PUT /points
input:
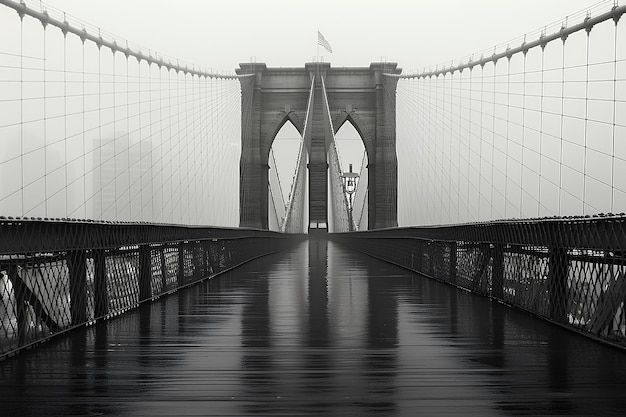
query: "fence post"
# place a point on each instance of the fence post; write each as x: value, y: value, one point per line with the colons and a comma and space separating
x: 557, y: 283
x: 419, y: 256
x: 452, y: 267
x: 77, y: 267
x: 181, y: 263
x: 163, y: 270
x: 431, y: 266
x: 497, y: 277
x: 205, y: 258
x: 101, y: 299
x: 196, y: 260
x: 145, y: 273
x: 20, y: 305
x: 210, y: 262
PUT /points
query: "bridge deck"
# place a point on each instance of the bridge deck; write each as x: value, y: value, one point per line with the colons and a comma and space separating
x: 318, y: 330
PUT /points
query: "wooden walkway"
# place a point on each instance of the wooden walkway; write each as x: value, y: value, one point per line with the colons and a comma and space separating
x: 318, y: 330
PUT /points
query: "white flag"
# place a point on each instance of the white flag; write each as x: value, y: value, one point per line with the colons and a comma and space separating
x: 321, y: 40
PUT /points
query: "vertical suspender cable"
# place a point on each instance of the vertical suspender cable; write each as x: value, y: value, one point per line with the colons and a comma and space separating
x: 467, y: 143
x: 45, y: 128
x: 85, y: 198
x: 560, y: 213
x: 128, y: 144
x: 426, y: 149
x: 140, y: 145
x: 439, y: 122
x: 541, y: 132
x: 438, y: 179
x: 434, y: 139
x: 452, y: 185
x: 179, y: 148
x: 190, y: 133
x: 460, y: 119
x: 444, y: 144
x: 23, y: 209
x: 115, y: 162
x: 160, y: 217
x: 170, y: 217
x: 204, y: 146
x: 493, y: 137
x: 508, y: 139
x: 100, y: 179
x: 186, y: 211
x: 152, y: 210
x: 614, y: 117
x: 586, y: 129
x: 481, y: 139
x: 67, y: 206
x: 197, y: 113
x: 521, y: 184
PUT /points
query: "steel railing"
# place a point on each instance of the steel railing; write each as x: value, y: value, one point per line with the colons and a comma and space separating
x: 58, y: 275
x: 571, y: 271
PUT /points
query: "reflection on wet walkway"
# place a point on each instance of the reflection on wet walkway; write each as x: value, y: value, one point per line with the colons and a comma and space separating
x: 318, y: 330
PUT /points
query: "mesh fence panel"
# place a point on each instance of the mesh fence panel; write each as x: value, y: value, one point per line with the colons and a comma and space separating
x: 570, y: 271
x: 56, y: 275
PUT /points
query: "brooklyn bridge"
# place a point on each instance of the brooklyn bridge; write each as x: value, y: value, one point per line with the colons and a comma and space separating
x: 176, y: 240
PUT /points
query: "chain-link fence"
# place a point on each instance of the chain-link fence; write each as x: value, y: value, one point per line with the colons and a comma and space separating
x: 570, y: 271
x: 57, y: 275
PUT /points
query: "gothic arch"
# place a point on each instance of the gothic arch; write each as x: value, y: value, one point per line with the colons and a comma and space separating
x: 275, y: 125
x: 359, y: 125
x: 363, y: 96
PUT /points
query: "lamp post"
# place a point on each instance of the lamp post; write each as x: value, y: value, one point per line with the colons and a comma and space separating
x: 350, y: 182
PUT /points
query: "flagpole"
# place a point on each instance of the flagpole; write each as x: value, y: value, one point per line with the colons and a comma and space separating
x: 318, y: 47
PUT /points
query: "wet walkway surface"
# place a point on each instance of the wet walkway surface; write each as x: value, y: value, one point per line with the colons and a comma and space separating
x: 318, y: 330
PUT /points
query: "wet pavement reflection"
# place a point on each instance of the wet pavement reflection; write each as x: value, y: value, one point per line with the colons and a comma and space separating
x: 318, y: 330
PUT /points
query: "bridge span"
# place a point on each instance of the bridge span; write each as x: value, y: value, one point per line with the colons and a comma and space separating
x: 120, y: 262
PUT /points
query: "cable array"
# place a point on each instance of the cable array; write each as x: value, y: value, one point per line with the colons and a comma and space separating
x: 92, y: 132
x: 277, y: 202
x: 296, y: 211
x: 339, y: 217
x: 360, y: 210
x: 530, y: 134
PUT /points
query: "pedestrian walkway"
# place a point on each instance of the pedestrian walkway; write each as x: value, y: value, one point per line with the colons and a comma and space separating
x: 318, y: 330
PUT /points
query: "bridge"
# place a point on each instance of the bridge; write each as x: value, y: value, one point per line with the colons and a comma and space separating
x: 156, y: 258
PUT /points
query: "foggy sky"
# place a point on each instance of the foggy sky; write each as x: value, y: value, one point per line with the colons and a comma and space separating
x: 218, y: 36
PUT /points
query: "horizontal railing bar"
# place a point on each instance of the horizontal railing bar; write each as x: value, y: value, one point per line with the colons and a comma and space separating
x: 598, y: 232
x: 21, y: 236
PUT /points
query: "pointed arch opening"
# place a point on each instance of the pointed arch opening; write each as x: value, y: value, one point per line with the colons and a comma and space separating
x: 353, y: 157
x: 282, y: 160
x: 350, y: 146
x: 284, y: 150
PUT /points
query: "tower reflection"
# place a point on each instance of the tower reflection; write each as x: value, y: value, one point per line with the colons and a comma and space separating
x: 318, y: 382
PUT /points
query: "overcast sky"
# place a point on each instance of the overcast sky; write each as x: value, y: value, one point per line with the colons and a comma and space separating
x: 414, y: 33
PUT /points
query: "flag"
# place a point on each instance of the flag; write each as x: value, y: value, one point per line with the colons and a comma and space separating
x: 321, y: 40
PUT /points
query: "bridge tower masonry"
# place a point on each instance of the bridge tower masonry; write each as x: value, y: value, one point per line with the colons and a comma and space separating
x: 363, y: 96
